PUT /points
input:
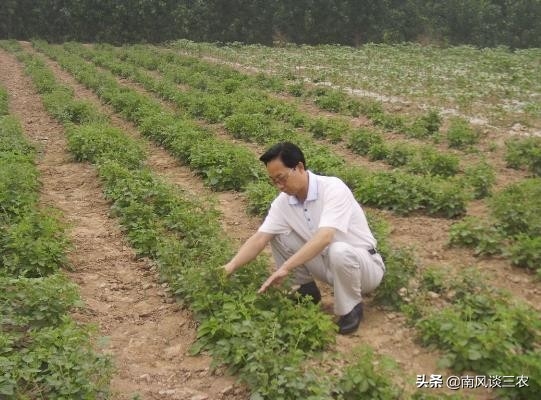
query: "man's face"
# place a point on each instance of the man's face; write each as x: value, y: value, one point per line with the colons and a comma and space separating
x: 287, y: 180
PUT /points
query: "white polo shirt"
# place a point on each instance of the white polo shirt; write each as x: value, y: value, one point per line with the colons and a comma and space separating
x: 329, y: 203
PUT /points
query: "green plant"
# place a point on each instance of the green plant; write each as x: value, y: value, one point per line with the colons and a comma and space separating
x: 3, y: 102
x: 367, y: 377
x: 362, y: 140
x: 471, y: 232
x: 432, y: 122
x: 460, y: 134
x: 94, y: 142
x: 398, y: 192
x: 433, y: 279
x: 222, y: 170
x: 61, y: 105
x: 370, y: 108
x: 481, y: 331
x: 389, y: 122
x: 442, y: 197
x: 249, y: 127
x: 399, y: 154
x: 525, y: 252
x: 517, y: 208
x: 43, y: 353
x: 480, y: 177
x: 332, y: 129
x: 428, y: 161
x: 35, y: 302
x: 260, y: 196
x: 331, y: 100
x: 400, y: 267
x: 524, y: 153
x: 34, y: 246
x: 296, y: 89
x: 56, y: 362
x: 18, y: 186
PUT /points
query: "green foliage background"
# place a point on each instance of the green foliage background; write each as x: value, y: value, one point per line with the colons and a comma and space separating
x: 351, y: 22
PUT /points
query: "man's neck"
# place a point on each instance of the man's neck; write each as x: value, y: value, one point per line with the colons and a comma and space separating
x: 303, y: 193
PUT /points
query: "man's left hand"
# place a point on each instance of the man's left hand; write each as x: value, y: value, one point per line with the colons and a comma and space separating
x: 275, y: 279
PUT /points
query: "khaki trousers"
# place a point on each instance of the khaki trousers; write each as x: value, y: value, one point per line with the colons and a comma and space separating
x: 350, y: 271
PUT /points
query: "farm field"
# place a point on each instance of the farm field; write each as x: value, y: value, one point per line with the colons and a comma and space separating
x: 490, y: 86
x: 150, y: 153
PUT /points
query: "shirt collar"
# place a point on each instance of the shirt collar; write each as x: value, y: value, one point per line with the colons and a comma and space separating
x: 312, y: 190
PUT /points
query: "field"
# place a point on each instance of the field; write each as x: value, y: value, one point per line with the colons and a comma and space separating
x: 145, y: 160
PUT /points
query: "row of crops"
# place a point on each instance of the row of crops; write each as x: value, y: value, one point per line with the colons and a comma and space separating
x: 183, y: 138
x: 211, y: 77
x: 478, y: 328
x: 44, y: 353
x: 496, y: 83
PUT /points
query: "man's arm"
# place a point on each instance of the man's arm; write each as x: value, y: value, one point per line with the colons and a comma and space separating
x: 248, y: 251
x: 312, y: 248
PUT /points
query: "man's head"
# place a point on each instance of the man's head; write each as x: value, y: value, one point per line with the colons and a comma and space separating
x: 286, y: 167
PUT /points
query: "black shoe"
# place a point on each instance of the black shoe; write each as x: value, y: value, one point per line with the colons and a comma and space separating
x: 350, y: 322
x: 310, y: 289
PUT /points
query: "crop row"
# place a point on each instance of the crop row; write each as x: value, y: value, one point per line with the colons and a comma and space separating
x: 265, y: 338
x: 474, y: 80
x: 524, y: 153
x: 218, y: 78
x: 460, y: 135
x: 44, y: 353
x: 263, y: 114
x: 395, y: 190
x: 478, y: 328
x: 464, y: 351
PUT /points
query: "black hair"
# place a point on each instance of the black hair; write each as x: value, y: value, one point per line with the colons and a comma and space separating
x: 290, y: 154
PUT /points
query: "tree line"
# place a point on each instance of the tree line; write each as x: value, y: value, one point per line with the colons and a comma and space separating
x: 483, y: 23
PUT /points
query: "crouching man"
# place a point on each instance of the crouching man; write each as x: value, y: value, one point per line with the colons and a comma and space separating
x: 316, y: 229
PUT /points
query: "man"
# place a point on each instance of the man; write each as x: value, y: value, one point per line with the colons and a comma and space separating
x: 316, y: 229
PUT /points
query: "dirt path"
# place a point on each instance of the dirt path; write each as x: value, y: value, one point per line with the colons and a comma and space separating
x: 148, y: 334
